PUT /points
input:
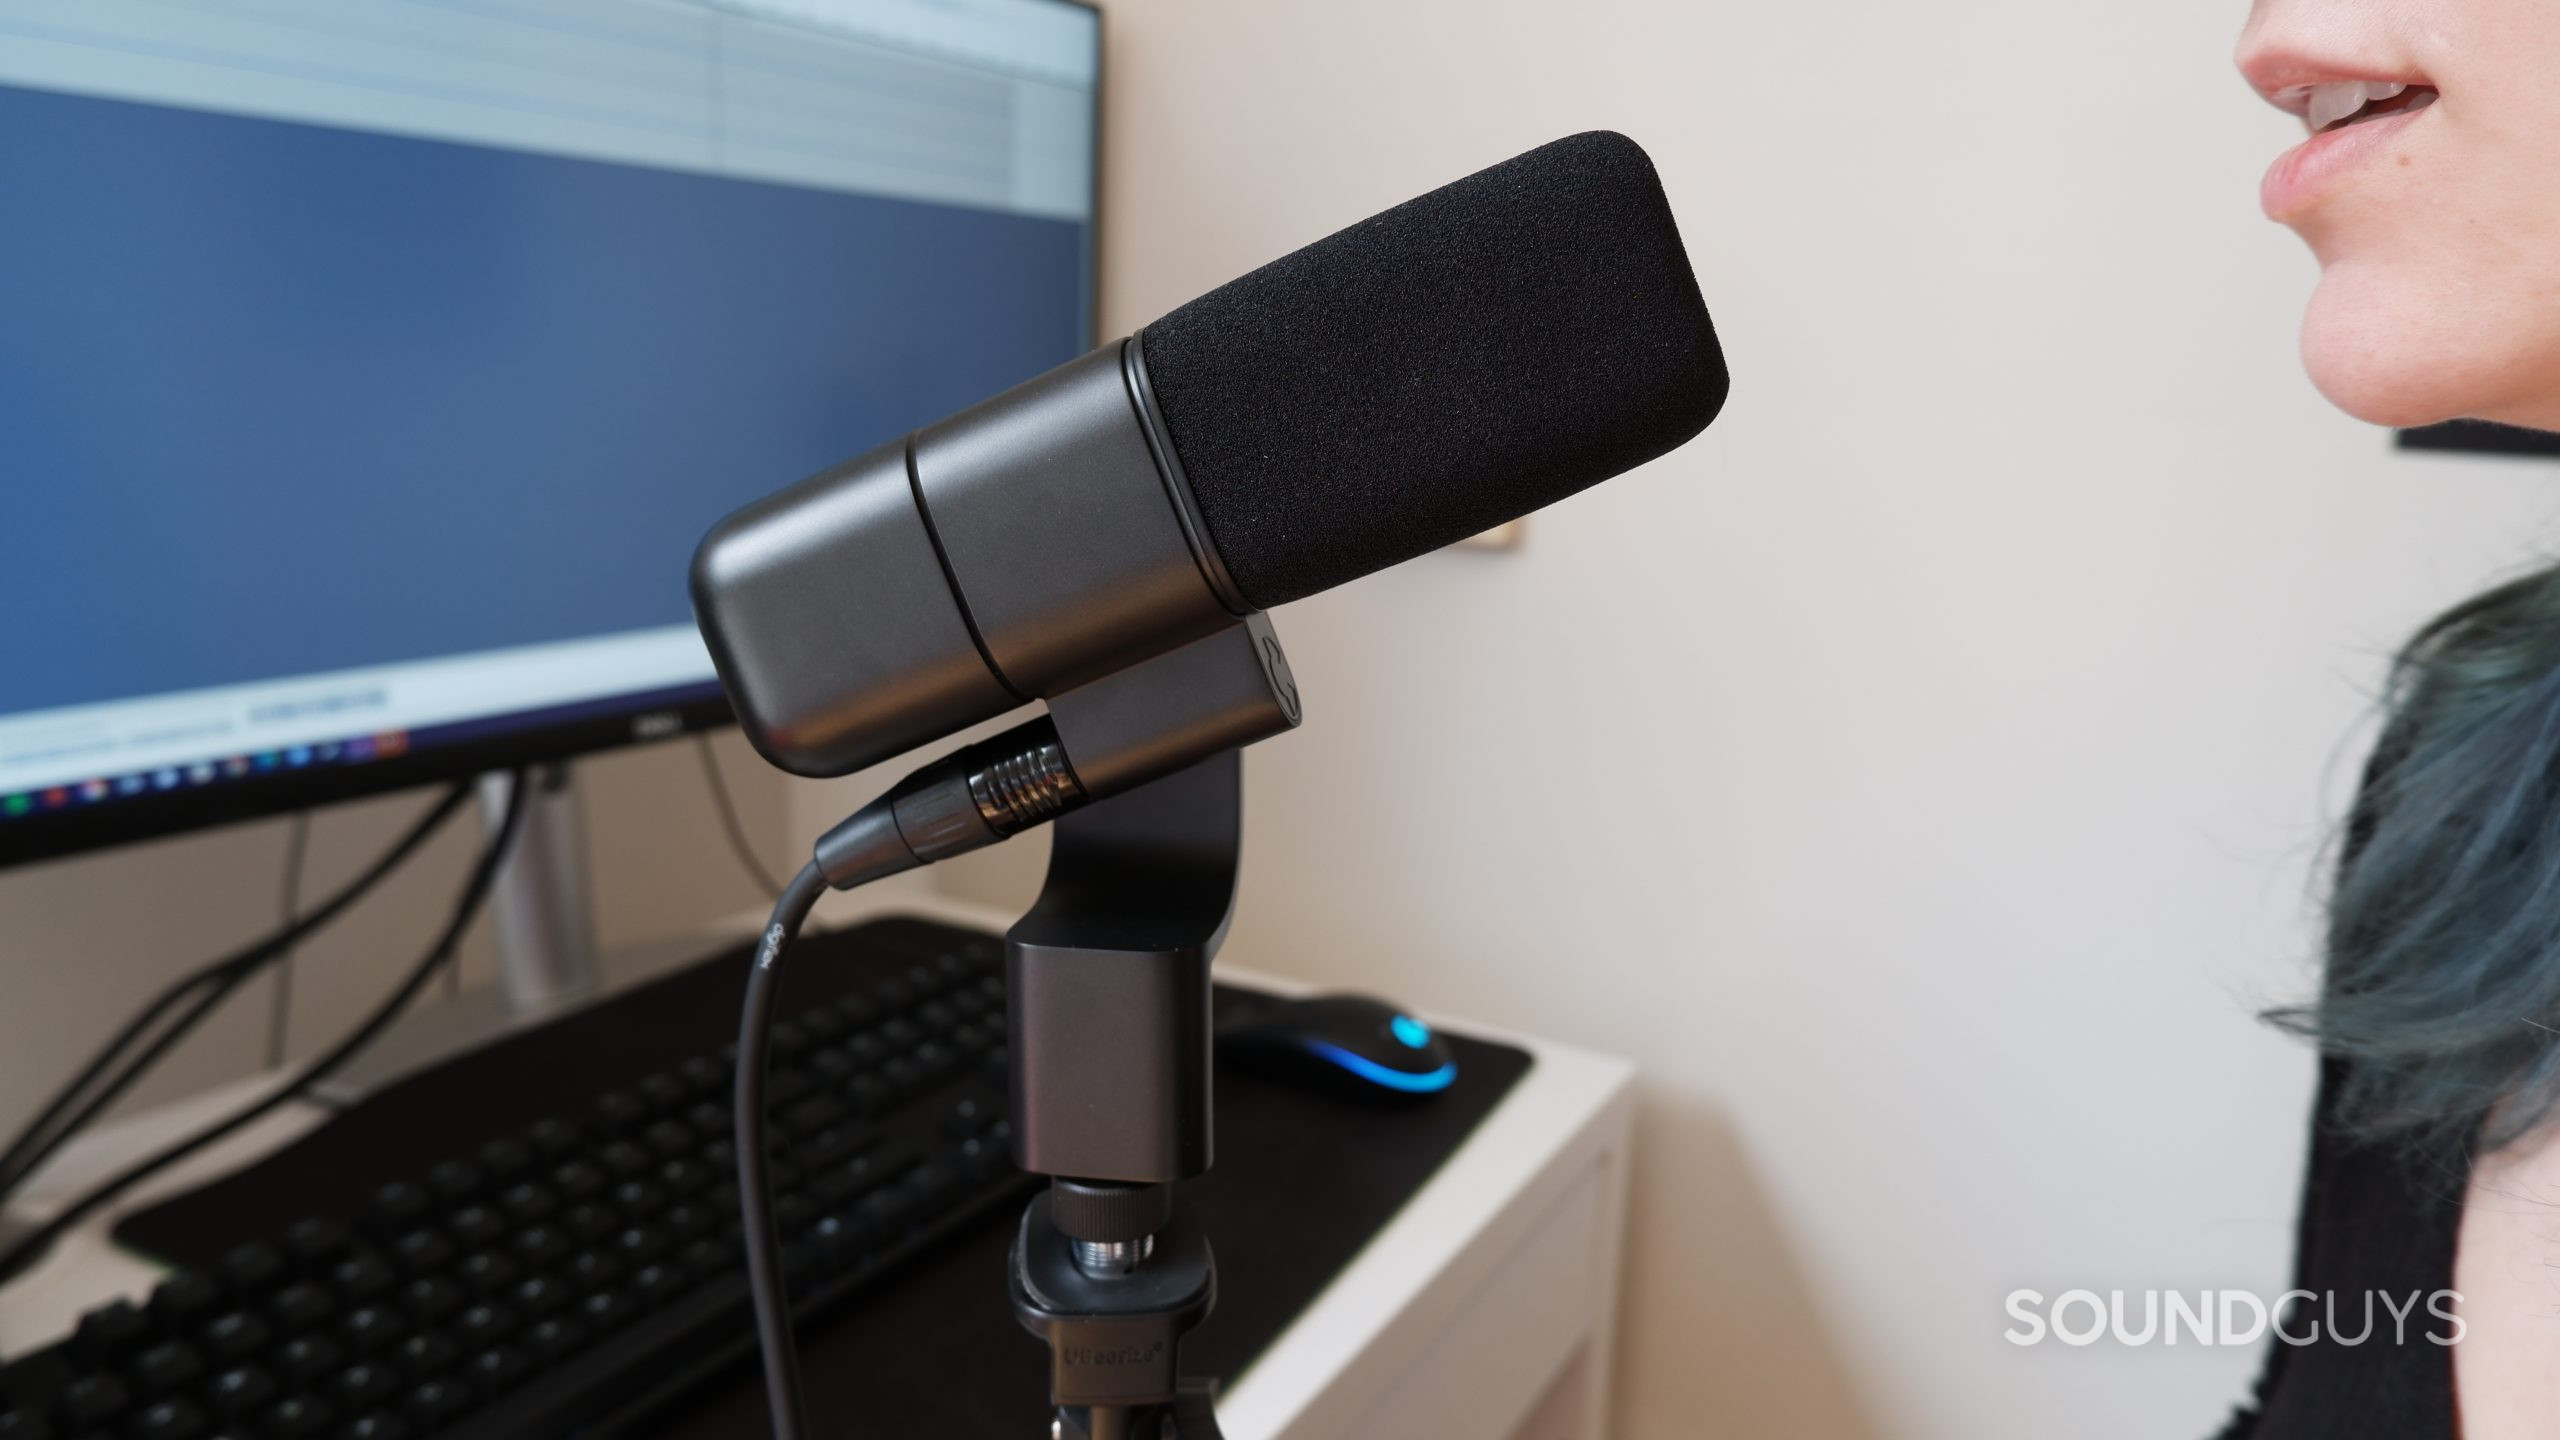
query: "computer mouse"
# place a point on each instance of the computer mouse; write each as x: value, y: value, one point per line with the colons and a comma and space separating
x: 1353, y: 1045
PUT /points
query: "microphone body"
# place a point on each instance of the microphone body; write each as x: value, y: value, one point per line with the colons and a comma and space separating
x: 1431, y: 372
x: 1030, y: 544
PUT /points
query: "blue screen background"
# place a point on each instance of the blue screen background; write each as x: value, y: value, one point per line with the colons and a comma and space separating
x: 279, y: 398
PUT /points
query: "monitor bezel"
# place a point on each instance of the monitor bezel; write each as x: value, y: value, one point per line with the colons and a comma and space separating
x: 648, y: 719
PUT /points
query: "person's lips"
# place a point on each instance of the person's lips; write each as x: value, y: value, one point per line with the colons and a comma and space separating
x: 2353, y: 122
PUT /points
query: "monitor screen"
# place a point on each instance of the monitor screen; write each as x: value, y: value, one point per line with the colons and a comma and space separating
x: 369, y: 369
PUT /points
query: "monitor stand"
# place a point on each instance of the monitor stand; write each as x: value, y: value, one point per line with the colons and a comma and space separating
x: 542, y: 917
x: 540, y: 909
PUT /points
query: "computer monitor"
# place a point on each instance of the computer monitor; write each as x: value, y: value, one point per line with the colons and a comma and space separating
x: 370, y: 368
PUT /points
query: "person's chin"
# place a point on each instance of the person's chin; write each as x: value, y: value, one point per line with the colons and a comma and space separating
x: 2392, y: 354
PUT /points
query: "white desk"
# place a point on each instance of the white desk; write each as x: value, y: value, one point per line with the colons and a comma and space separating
x: 1485, y: 1309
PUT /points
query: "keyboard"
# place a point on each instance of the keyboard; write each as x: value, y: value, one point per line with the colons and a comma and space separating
x: 572, y: 1274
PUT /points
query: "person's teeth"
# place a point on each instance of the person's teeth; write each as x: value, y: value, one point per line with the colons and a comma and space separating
x: 2334, y: 102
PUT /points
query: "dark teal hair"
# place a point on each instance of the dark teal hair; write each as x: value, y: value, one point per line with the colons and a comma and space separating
x: 2443, y: 984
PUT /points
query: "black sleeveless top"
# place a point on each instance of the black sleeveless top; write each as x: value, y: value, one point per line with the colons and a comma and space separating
x: 2372, y: 1219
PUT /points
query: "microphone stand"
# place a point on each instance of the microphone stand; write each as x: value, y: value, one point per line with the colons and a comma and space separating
x: 1109, y: 1033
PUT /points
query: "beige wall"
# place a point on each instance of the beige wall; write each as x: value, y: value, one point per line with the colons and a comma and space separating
x: 88, y: 939
x: 1921, y: 775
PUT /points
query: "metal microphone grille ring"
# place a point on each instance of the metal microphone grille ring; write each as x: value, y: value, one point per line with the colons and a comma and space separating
x: 1020, y: 790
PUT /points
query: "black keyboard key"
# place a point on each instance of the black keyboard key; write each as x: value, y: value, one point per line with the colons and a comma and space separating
x: 425, y: 1355
x: 234, y: 1336
x: 505, y: 1160
x: 591, y: 1270
x: 967, y: 1118
x: 656, y: 1284
x: 705, y: 1076
x: 455, y: 1181
x: 858, y: 1010
x: 399, y: 1206
x: 422, y: 1250
x: 527, y: 1200
x: 252, y: 1268
x: 361, y: 1386
x: 786, y: 1086
x: 553, y: 1139
x: 814, y: 1114
x: 590, y: 1222
x: 380, y: 1425
x: 540, y: 1295
x: 361, y: 1277
x: 870, y: 1095
x: 475, y: 1227
x: 91, y: 1400
x: 639, y: 1199
x: 437, y: 1402
x: 604, y: 1310
x: 865, y: 1050
x: 794, y: 1213
x: 163, y: 1368
x: 168, y: 1420
x: 553, y: 1341
x: 185, y: 1300
x: 299, y: 1306
x: 664, y: 1090
x: 685, y: 1221
x: 787, y: 1039
x: 488, y: 1272
x: 623, y: 1159
x: 539, y: 1245
x: 710, y: 1256
x: 620, y: 1110
x: 675, y: 1139
x: 430, y: 1298
x: 638, y: 1244
x: 304, y: 1359
x: 111, y: 1332
x: 835, y: 1145
x: 937, y: 1018
x: 484, y: 1325
x: 299, y: 1417
x: 369, y: 1328
x: 577, y: 1180
x: 498, y: 1369
x: 981, y: 1159
x: 242, y: 1390
x: 315, y: 1243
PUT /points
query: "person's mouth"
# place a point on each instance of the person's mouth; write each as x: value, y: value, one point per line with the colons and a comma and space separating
x: 2351, y: 122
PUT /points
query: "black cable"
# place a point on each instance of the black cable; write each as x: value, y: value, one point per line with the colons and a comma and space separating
x: 48, y: 1131
x: 466, y: 906
x: 755, y: 1192
x: 297, y: 843
x: 729, y: 818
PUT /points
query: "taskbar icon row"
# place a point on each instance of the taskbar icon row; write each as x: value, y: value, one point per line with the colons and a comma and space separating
x: 102, y: 789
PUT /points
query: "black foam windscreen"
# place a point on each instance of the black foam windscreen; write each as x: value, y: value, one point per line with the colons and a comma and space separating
x: 1436, y: 370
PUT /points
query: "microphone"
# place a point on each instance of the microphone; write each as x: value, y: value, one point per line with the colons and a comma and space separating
x: 1426, y: 374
